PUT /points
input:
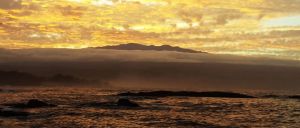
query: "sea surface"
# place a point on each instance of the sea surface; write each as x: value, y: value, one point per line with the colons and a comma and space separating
x: 170, y: 112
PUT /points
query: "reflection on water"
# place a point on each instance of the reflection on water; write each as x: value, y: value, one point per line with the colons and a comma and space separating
x: 155, y: 112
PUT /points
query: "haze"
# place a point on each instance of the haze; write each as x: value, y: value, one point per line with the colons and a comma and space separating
x: 253, y: 44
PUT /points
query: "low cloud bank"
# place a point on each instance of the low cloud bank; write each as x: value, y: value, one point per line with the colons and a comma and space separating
x: 157, y: 70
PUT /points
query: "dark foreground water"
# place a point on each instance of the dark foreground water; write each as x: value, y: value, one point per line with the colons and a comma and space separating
x: 155, y: 112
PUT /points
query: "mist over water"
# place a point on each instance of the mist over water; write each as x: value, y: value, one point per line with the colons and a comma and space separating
x: 153, y: 70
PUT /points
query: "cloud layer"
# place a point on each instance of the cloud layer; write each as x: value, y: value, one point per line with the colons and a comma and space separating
x: 231, y: 26
x: 157, y: 70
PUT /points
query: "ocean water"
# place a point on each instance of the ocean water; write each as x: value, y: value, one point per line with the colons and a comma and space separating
x: 155, y: 112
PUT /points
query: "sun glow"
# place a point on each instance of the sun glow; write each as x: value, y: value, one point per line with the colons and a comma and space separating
x: 288, y: 21
x: 224, y: 26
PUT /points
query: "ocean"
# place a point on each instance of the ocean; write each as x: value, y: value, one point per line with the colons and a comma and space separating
x: 72, y: 110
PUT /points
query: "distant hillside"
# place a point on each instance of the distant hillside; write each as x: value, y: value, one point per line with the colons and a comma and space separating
x: 24, y: 78
x: 135, y: 46
x: 19, y: 78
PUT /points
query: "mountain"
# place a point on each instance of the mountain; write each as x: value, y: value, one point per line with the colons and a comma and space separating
x: 135, y: 46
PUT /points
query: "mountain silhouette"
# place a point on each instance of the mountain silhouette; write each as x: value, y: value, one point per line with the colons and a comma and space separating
x: 19, y: 78
x: 24, y: 78
x: 135, y: 46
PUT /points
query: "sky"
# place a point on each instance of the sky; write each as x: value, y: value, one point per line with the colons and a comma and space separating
x: 248, y: 27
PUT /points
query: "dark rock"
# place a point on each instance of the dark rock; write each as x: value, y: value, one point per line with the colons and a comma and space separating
x: 271, y: 96
x: 100, y: 104
x: 34, y: 103
x: 294, y: 97
x: 127, y: 103
x: 113, y: 105
x: 12, y: 113
x: 282, y: 96
x: 187, y: 93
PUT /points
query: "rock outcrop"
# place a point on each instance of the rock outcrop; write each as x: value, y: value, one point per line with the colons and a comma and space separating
x: 33, y: 103
x: 12, y: 113
x: 186, y: 93
x: 127, y: 103
x: 121, y: 103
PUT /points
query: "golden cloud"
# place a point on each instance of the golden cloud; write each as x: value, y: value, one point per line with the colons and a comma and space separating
x: 213, y: 26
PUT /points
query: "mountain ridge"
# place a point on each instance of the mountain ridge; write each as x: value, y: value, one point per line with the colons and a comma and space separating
x: 136, y: 46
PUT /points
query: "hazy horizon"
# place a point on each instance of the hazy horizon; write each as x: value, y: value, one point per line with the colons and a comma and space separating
x: 167, y: 70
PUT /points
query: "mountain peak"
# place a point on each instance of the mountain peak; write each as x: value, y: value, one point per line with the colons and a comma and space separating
x: 136, y: 46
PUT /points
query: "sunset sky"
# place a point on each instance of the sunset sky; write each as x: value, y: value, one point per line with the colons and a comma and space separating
x: 242, y: 27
